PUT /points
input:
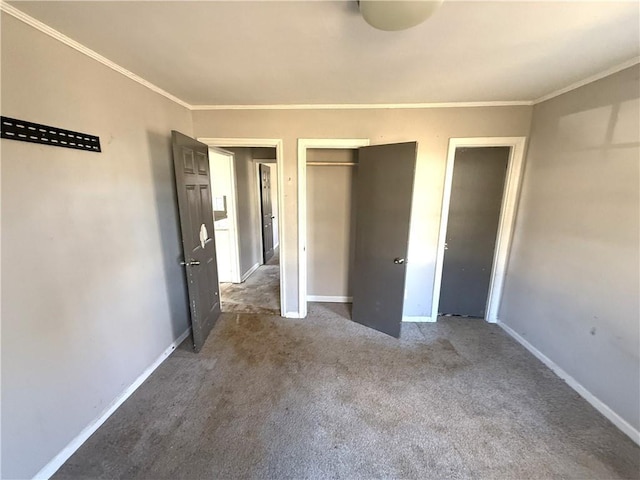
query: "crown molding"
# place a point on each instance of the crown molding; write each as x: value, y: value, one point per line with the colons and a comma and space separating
x: 42, y: 27
x: 365, y: 106
x: 588, y: 80
x: 46, y: 29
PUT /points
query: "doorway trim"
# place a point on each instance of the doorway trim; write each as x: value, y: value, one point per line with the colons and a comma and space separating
x: 233, y: 213
x: 278, y: 145
x: 303, y: 145
x: 505, y: 226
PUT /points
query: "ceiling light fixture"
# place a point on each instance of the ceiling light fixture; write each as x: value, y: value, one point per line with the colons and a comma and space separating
x: 393, y: 15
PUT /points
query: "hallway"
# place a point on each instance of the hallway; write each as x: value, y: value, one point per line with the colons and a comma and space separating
x: 260, y: 293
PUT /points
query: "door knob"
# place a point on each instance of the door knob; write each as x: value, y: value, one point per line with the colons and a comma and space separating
x: 398, y: 261
x: 192, y: 263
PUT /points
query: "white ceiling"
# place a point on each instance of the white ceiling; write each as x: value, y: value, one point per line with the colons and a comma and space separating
x: 322, y: 52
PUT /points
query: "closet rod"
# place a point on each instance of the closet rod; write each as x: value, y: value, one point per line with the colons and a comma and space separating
x: 333, y: 164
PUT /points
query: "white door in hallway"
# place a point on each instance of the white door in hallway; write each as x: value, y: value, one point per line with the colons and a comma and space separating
x: 223, y: 185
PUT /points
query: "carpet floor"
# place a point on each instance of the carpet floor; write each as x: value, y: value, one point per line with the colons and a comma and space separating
x: 323, y: 397
x: 260, y: 293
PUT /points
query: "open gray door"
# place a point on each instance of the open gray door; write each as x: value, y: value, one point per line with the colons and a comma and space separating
x: 267, y: 212
x: 383, y: 212
x: 193, y: 183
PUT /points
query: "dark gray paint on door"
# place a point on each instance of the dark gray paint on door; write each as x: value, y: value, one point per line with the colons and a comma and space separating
x: 383, y: 210
x: 267, y: 212
x: 193, y: 183
x: 477, y: 190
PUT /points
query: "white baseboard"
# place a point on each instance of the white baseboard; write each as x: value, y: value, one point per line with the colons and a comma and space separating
x: 329, y: 299
x: 595, y: 402
x: 50, y: 468
x: 418, y: 319
x: 293, y: 315
x: 250, y: 271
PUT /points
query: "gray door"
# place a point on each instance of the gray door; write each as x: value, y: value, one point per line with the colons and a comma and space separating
x: 191, y: 162
x: 267, y: 212
x: 383, y: 210
x: 474, y: 213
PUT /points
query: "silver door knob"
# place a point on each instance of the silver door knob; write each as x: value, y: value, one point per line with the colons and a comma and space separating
x: 192, y: 263
x: 398, y: 261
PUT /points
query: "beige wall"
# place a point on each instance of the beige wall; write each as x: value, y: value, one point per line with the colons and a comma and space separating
x: 330, y: 223
x: 92, y: 291
x: 250, y: 236
x: 573, y: 278
x: 432, y: 128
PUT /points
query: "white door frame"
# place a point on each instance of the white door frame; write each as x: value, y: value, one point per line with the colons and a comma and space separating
x: 506, y: 223
x: 232, y: 214
x: 277, y: 144
x: 303, y: 145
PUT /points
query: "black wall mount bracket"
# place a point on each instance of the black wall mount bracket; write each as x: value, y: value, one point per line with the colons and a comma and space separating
x: 21, y: 130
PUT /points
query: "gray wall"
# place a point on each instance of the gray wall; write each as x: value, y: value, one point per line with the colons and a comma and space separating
x: 92, y: 291
x: 263, y: 153
x: 249, y: 234
x: 330, y: 222
x: 432, y: 128
x: 572, y: 283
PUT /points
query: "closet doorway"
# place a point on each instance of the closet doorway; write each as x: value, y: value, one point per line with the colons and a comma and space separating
x: 331, y: 194
x: 354, y: 219
x: 340, y: 154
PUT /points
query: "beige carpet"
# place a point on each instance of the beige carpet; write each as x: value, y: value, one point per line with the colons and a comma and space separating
x: 325, y: 398
x: 259, y: 294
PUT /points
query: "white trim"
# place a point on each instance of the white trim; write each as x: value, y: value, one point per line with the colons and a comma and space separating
x: 586, y: 81
x: 507, y: 216
x: 366, y: 106
x: 292, y: 315
x: 236, y: 226
x: 46, y: 29
x: 258, y: 205
x: 56, y: 462
x: 329, y: 299
x: 595, y: 402
x: 249, y: 272
x: 266, y: 142
x: 303, y: 145
x: 417, y: 319
x: 232, y: 212
x: 242, y: 142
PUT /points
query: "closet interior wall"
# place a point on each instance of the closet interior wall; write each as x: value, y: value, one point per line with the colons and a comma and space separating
x: 331, y: 188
